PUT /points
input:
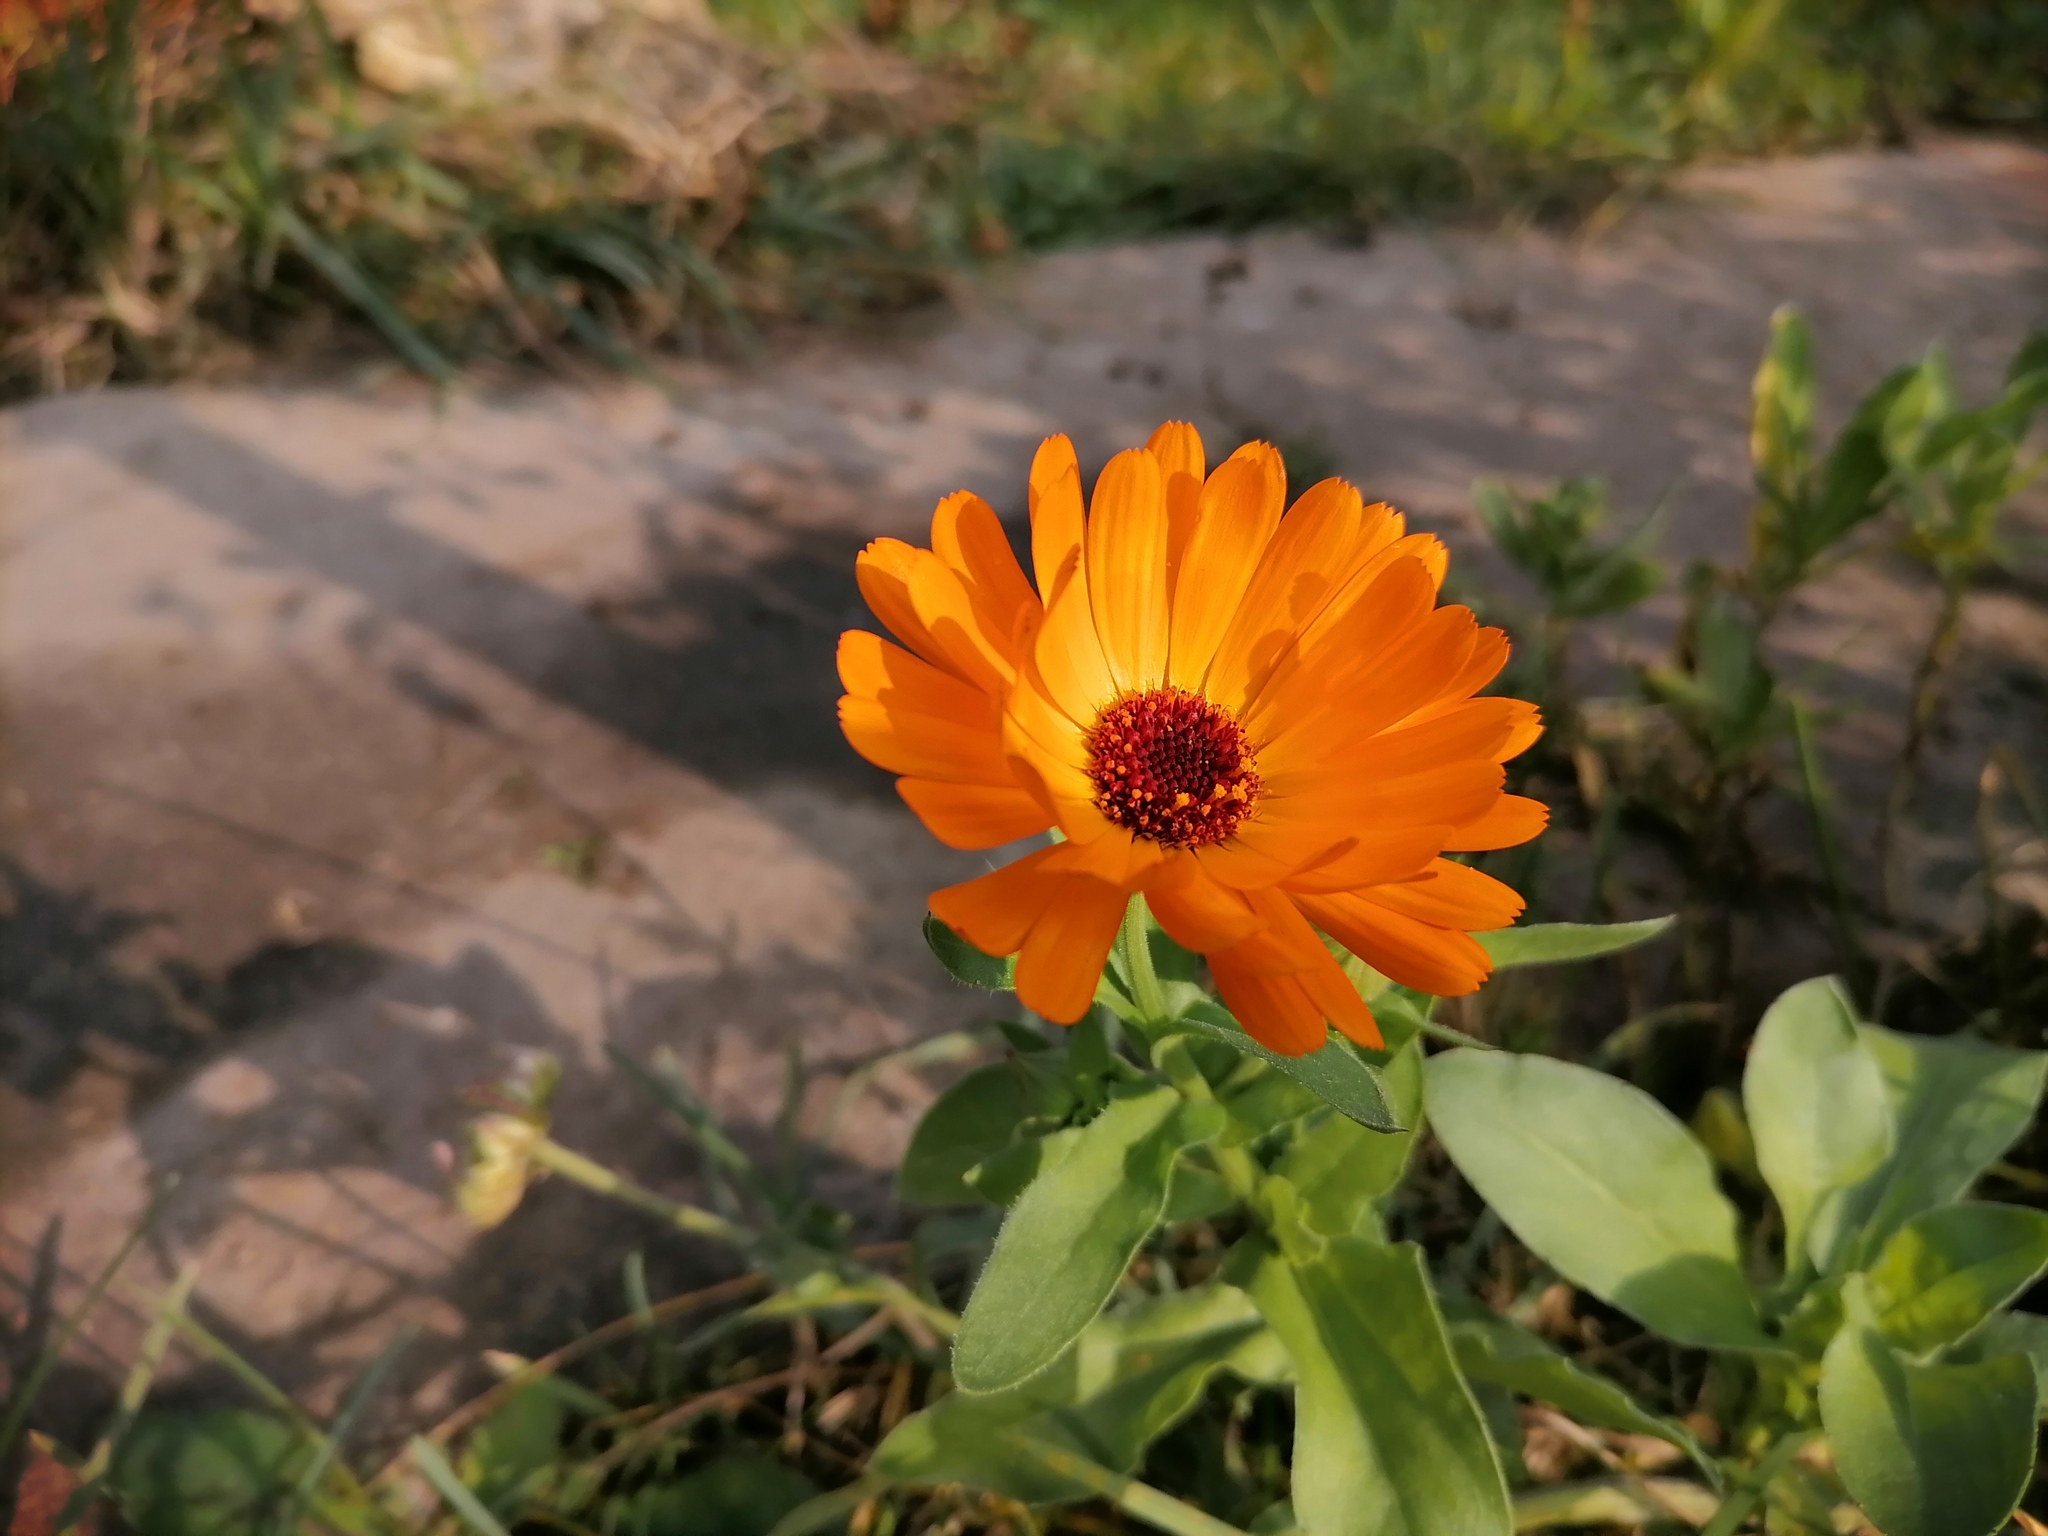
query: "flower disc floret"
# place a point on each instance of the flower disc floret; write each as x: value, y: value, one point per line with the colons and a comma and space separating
x: 1172, y: 767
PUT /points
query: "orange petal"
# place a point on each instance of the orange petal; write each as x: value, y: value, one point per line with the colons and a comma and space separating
x: 1489, y: 654
x: 1068, y: 653
x: 1513, y: 819
x: 1234, y: 522
x: 1113, y: 855
x: 1331, y: 990
x: 1478, y: 729
x: 1302, y: 569
x: 1066, y: 792
x: 1313, y: 680
x: 972, y: 648
x: 1528, y: 729
x: 882, y: 571
x: 1379, y: 544
x: 1401, y: 680
x: 973, y: 815
x: 1375, y: 857
x: 872, y: 668
x: 924, y: 746
x: 1127, y: 568
x: 1178, y: 448
x: 1276, y: 1011
x: 1057, y: 524
x: 1067, y: 947
x: 1197, y: 912
x: 1457, y: 792
x: 1451, y: 896
x: 994, y: 912
x: 969, y: 537
x: 1441, y: 961
x: 1262, y: 852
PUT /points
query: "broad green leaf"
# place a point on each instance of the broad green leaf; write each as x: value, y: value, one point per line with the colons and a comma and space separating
x: 1948, y: 1269
x: 1603, y: 1183
x: 734, y: 1495
x: 1816, y: 1103
x: 1259, y: 1099
x: 1388, y: 1440
x: 1957, y: 1104
x: 1071, y: 1235
x: 1336, y: 1073
x: 1128, y: 1379
x: 1492, y: 1349
x: 1928, y: 1450
x: 972, y: 1120
x: 2009, y: 1333
x: 1559, y: 943
x: 219, y: 1473
x: 1006, y: 1173
x: 965, y: 963
x: 1339, y: 1168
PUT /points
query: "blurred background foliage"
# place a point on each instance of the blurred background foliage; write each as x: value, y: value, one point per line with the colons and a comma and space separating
x: 183, y: 182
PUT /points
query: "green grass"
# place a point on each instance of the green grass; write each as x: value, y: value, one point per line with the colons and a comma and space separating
x: 173, y: 196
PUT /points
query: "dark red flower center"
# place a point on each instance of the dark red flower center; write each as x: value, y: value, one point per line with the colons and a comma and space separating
x: 1171, y: 766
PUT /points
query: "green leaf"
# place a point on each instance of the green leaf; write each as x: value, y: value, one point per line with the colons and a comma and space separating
x: 964, y: 963
x: 1928, y: 1450
x: 1339, y: 1168
x: 1950, y: 1268
x: 972, y: 1120
x: 205, y: 1474
x: 1128, y: 1379
x: 1069, y: 1238
x: 1493, y: 1349
x: 1388, y: 1440
x: 1336, y: 1073
x: 1781, y: 408
x: 1604, y: 1184
x: 2009, y: 1333
x: 736, y: 1495
x: 1957, y: 1104
x: 1816, y: 1103
x: 1005, y: 1174
x: 1558, y: 943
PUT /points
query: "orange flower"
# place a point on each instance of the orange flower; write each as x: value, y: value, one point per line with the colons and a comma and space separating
x: 1263, y: 724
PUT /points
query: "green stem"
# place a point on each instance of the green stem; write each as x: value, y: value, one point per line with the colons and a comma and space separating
x: 1817, y: 798
x: 599, y: 1179
x: 1136, y: 943
x: 1236, y: 1165
x: 1141, y: 1501
x: 1739, y: 1505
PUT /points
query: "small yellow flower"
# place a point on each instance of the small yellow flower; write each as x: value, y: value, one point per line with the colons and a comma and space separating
x: 1265, y: 724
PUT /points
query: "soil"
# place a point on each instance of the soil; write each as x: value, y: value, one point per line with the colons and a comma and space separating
x: 356, y: 738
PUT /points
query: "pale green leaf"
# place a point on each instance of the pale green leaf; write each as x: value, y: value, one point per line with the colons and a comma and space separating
x: 1071, y: 1235
x: 1957, y: 1104
x: 972, y: 1120
x: 1928, y: 1450
x: 1339, y: 1168
x: 1948, y: 1269
x: 1816, y: 1103
x: 1492, y: 1349
x: 1604, y: 1184
x: 2009, y: 1333
x: 1559, y: 943
x: 966, y: 964
x: 1127, y: 1380
x: 1336, y: 1073
x: 1387, y: 1438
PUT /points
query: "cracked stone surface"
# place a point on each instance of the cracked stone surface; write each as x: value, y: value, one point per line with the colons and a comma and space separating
x: 353, y: 739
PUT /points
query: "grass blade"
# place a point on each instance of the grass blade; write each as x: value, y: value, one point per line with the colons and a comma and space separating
x: 359, y: 1398
x: 452, y: 1489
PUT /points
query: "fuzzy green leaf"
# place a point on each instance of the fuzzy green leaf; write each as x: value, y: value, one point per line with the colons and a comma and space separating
x: 1928, y: 1450
x: 1815, y: 1100
x: 1071, y: 1235
x: 1336, y: 1073
x: 1603, y: 1183
x: 1388, y: 1440
x: 966, y: 964
x: 1560, y: 943
x: 972, y: 1120
x: 1957, y: 1104
x: 1950, y: 1268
